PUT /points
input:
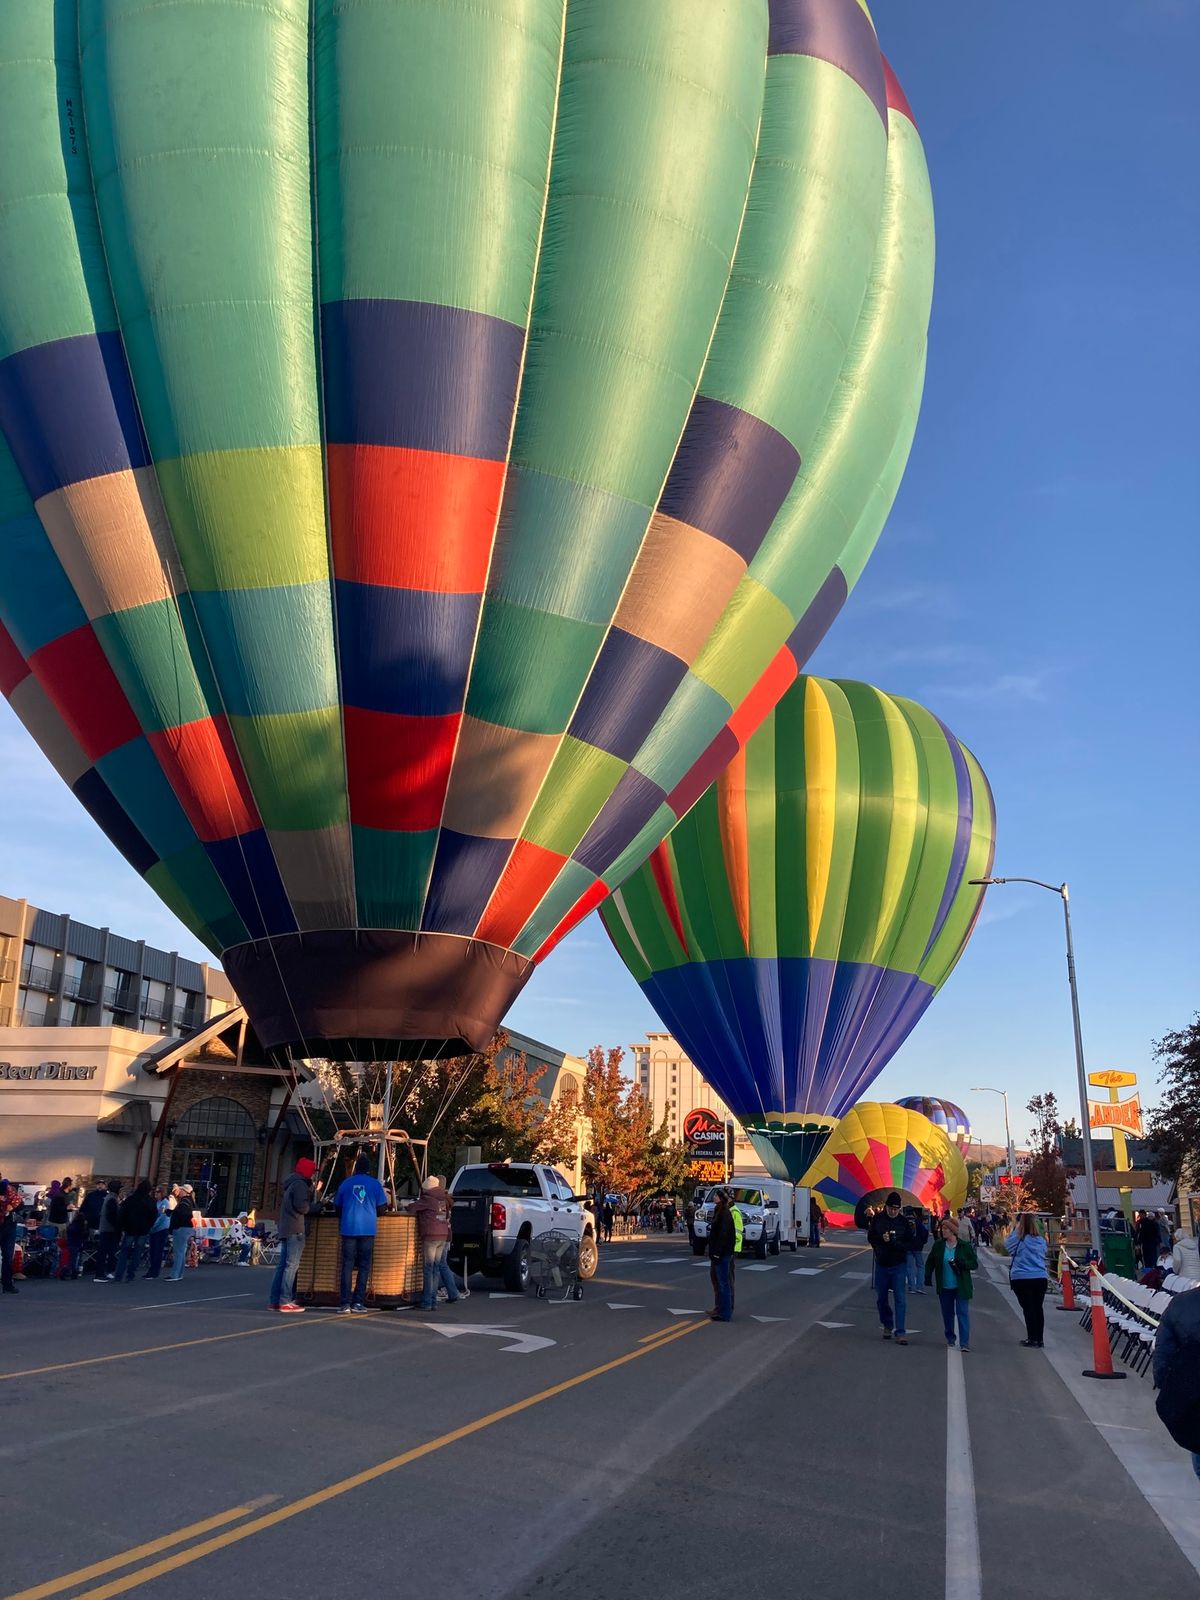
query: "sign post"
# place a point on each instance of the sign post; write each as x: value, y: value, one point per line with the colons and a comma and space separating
x: 1128, y: 1116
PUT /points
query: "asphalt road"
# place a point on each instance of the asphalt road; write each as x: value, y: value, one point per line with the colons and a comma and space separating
x: 187, y: 1443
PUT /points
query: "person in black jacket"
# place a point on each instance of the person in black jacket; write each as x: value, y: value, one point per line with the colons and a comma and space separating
x: 891, y: 1237
x: 108, y: 1232
x: 1177, y: 1372
x: 136, y: 1216
x: 916, y: 1253
x: 721, y: 1242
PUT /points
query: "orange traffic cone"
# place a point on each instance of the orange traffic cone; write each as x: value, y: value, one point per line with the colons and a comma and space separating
x: 1068, y: 1287
x: 1101, y: 1353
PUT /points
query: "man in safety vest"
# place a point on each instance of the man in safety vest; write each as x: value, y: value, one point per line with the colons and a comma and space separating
x: 739, y: 1233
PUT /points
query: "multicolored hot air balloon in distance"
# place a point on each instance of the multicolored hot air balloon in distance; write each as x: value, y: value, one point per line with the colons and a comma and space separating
x: 944, y: 1114
x: 795, y: 925
x: 876, y: 1148
x: 434, y: 436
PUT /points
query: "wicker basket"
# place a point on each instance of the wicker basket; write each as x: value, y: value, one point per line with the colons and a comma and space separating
x: 397, y: 1268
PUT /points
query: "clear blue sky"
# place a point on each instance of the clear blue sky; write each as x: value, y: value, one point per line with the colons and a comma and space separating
x: 1037, y: 583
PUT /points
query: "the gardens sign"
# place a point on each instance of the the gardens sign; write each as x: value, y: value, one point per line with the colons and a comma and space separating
x: 45, y: 1072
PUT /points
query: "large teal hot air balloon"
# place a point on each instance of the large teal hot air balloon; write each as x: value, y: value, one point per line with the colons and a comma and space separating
x: 433, y: 434
x: 796, y: 924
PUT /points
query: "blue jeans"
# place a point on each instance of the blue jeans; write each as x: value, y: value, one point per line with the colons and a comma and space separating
x: 158, y: 1249
x: 722, y: 1266
x: 180, y: 1239
x: 895, y: 1280
x: 283, y: 1286
x: 437, y: 1271
x: 952, y: 1305
x: 357, y: 1250
x: 814, y: 1233
x: 916, y: 1269
x: 129, y: 1256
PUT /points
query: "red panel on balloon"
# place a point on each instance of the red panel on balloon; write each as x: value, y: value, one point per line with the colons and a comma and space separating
x: 76, y: 675
x: 204, y: 769
x: 765, y: 695
x: 412, y: 519
x: 399, y: 768
x: 588, y: 901
x: 525, y: 880
x: 12, y: 663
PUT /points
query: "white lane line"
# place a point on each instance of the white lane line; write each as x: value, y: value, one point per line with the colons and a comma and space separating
x: 761, y: 1267
x: 964, y: 1577
x: 863, y: 1275
x: 664, y: 1261
x: 203, y: 1301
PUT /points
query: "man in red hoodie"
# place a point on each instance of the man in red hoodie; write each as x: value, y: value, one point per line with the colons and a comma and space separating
x: 433, y: 1212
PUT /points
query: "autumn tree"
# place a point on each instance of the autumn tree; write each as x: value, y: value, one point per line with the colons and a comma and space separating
x: 1044, y: 1186
x: 627, y: 1154
x: 1174, y: 1124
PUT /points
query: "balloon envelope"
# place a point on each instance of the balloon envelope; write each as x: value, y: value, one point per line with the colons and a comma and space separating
x: 434, y: 436
x: 794, y: 927
x: 943, y: 1114
x: 877, y: 1148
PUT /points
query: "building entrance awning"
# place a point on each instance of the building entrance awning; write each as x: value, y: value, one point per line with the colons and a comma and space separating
x: 133, y: 1117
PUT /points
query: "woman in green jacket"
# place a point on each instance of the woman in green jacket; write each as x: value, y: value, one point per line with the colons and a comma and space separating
x: 949, y: 1267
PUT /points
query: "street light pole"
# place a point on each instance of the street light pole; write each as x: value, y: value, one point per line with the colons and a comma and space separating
x: 1089, y: 1167
x: 1012, y: 1158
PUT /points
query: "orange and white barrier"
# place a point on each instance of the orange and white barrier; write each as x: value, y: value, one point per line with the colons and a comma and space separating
x: 1102, y: 1361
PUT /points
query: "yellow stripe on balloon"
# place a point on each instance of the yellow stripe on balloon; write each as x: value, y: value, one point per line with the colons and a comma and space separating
x: 906, y: 797
x: 731, y: 808
x: 820, y: 761
x: 866, y: 11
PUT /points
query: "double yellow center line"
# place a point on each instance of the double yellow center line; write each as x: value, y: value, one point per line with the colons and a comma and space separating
x: 229, y: 1535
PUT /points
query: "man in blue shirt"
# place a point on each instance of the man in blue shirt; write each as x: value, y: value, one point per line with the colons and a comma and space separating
x: 359, y: 1200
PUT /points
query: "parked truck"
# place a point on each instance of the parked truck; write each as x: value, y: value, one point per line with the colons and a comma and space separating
x: 774, y: 1213
x: 499, y: 1207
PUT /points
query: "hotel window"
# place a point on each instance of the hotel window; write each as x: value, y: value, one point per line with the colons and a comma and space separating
x: 33, y: 1004
x: 37, y: 966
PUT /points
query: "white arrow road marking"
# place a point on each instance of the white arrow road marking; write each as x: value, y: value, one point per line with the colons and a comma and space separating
x: 772, y: 1319
x: 615, y: 1261
x: 686, y: 1311
x: 806, y: 1272
x: 521, y: 1344
x: 621, y: 1305
x: 762, y: 1267
x: 835, y: 1324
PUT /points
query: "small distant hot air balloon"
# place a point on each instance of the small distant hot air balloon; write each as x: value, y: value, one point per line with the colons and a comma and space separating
x: 794, y: 927
x: 876, y: 1148
x: 438, y: 433
x: 943, y: 1114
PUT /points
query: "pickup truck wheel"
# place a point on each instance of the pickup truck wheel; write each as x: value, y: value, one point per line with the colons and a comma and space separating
x: 774, y: 1247
x: 589, y: 1257
x: 760, y: 1248
x: 516, y: 1267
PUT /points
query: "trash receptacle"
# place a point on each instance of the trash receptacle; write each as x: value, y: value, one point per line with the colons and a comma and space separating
x: 1117, y: 1249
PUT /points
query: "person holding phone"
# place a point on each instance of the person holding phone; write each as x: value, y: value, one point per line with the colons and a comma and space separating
x: 891, y: 1237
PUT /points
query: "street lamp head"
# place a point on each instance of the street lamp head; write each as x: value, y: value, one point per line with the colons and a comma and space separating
x: 980, y: 883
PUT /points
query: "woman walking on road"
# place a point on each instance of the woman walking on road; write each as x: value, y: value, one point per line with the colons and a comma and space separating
x: 1027, y: 1275
x: 951, y: 1263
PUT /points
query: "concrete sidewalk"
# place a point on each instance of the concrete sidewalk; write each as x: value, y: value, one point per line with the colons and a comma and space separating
x: 1122, y: 1413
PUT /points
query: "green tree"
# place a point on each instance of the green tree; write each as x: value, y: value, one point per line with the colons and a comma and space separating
x: 1174, y: 1124
x: 1044, y: 1186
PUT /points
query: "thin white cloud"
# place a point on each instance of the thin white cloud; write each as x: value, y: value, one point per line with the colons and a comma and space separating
x: 931, y: 599
x: 1024, y: 688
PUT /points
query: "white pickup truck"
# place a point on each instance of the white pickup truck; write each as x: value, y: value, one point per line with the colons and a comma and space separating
x: 498, y: 1208
x: 773, y: 1214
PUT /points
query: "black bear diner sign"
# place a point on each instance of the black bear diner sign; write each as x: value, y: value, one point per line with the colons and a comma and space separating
x: 45, y: 1072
